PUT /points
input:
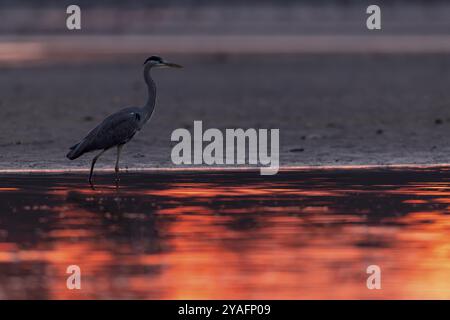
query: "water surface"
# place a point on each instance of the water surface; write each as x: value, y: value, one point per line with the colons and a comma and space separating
x: 222, y: 235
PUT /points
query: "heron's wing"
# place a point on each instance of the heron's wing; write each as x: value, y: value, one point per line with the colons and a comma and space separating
x: 116, y: 129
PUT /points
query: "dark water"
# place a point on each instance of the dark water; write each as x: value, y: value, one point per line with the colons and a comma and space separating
x: 303, y: 234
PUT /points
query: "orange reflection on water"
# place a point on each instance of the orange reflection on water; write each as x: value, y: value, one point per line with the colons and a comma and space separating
x: 8, y: 189
x: 208, y: 190
x: 227, y: 236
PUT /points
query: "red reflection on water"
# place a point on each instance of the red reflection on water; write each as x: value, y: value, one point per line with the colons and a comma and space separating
x: 229, y: 239
x: 207, y: 190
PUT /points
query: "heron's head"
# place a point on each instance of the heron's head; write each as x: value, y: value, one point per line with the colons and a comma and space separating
x: 159, y: 62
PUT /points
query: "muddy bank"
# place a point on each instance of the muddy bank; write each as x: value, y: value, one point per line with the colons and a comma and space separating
x: 330, y: 109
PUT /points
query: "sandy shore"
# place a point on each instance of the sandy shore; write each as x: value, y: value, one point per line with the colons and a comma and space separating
x: 331, y: 109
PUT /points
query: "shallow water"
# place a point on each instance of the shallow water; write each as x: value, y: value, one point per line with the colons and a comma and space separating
x: 303, y: 234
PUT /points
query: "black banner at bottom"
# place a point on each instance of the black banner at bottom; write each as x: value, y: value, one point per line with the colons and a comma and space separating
x: 225, y: 309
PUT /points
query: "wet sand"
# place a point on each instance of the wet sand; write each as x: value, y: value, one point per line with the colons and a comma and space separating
x: 217, y: 235
x: 331, y: 109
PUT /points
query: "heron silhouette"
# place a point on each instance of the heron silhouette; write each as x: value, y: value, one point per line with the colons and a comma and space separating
x: 120, y: 127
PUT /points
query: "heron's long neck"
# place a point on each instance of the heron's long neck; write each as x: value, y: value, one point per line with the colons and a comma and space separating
x: 151, y: 87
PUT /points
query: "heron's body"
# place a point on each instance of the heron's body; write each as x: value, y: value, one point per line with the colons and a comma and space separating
x: 116, y: 129
x: 120, y: 127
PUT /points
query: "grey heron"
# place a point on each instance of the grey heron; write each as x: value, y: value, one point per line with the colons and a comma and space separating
x: 120, y: 127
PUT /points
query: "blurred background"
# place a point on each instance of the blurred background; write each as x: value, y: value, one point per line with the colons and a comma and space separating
x: 341, y: 94
x: 220, y: 17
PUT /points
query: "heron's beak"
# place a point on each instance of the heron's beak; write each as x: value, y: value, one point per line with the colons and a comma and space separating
x: 172, y: 65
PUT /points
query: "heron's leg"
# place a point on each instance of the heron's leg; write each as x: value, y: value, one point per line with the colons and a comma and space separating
x: 119, y: 150
x: 93, y: 164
